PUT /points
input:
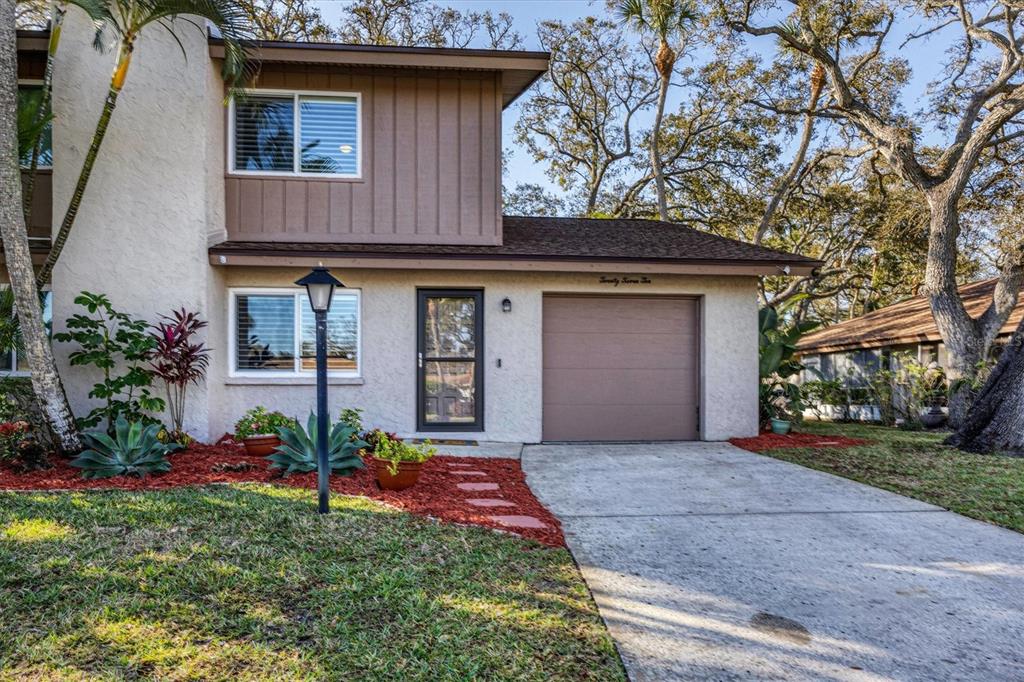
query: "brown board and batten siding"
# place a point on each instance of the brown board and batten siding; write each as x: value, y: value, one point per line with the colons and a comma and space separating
x: 32, y: 67
x: 431, y: 164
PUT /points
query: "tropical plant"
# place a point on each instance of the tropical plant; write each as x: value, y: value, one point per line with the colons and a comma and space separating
x: 108, y: 339
x: 179, y: 361
x: 395, y: 451
x: 298, y: 449
x: 260, y: 422
x: 12, y: 434
x: 777, y: 364
x: 127, y: 19
x: 666, y: 20
x: 18, y: 256
x: 132, y: 450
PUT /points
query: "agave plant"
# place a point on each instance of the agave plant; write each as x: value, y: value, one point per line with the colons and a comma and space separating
x: 134, y: 450
x: 297, y: 452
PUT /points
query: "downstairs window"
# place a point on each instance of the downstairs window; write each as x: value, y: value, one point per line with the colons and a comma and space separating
x: 273, y: 333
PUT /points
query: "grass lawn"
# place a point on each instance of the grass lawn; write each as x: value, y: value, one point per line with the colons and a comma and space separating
x: 916, y: 464
x: 248, y: 582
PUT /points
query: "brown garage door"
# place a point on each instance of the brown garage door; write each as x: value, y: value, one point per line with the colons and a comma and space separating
x: 620, y: 368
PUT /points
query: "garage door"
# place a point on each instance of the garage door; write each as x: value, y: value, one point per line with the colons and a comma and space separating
x: 620, y: 368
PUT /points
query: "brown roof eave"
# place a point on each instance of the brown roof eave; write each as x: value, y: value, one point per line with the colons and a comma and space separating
x: 390, y: 49
x: 527, y: 67
x: 796, y: 267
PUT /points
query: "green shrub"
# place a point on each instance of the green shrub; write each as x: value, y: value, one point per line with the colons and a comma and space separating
x: 259, y: 422
x: 395, y: 451
x: 119, y: 346
x: 297, y: 452
x: 134, y: 450
x: 352, y: 416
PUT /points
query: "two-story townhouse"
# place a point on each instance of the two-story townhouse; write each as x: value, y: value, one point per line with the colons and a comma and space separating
x: 384, y: 164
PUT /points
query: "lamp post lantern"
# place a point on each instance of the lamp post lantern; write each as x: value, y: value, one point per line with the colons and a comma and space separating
x: 320, y: 285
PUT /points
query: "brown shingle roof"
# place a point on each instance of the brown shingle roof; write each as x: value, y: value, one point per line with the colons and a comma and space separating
x: 909, y: 321
x: 580, y: 239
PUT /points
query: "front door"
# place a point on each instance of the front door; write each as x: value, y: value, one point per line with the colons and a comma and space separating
x: 450, y: 342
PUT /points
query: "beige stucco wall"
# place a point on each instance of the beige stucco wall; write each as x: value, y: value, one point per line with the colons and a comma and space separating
x: 512, y: 393
x: 156, y: 201
x: 141, y: 233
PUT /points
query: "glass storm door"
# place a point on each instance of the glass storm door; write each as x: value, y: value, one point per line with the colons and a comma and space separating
x: 450, y: 374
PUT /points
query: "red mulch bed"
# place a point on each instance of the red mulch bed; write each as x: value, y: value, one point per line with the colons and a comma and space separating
x: 773, y: 441
x: 434, y: 495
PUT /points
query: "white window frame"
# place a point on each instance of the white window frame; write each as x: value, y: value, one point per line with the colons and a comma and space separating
x: 300, y: 296
x: 297, y: 134
x: 36, y: 81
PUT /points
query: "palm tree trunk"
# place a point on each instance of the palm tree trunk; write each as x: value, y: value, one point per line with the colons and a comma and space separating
x: 116, y: 83
x: 656, y: 165
x: 45, y: 380
x: 60, y: 9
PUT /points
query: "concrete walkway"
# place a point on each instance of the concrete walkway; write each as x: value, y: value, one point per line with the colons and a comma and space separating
x: 710, y: 562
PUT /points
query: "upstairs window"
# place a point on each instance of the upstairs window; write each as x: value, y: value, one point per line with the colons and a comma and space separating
x: 274, y: 333
x: 30, y: 95
x: 295, y: 134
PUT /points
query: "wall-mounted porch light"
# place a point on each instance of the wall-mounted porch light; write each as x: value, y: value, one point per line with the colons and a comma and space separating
x: 506, y: 305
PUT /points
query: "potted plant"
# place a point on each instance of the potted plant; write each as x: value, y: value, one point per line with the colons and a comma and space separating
x: 396, y: 463
x: 781, y: 423
x: 257, y: 429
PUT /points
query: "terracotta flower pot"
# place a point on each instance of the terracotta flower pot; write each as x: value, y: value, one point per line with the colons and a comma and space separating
x: 408, y: 474
x: 260, y: 446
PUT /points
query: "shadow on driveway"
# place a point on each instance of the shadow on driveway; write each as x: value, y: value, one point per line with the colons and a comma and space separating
x: 710, y: 562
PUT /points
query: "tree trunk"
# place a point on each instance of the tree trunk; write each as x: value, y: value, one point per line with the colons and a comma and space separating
x: 45, y: 381
x: 996, y: 419
x: 665, y: 63
x: 116, y: 83
x: 966, y: 345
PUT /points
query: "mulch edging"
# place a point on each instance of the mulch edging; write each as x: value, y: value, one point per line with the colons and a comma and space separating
x: 773, y: 441
x: 435, y: 495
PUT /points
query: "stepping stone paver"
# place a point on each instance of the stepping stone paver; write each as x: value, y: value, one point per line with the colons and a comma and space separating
x: 515, y: 521
x: 489, y: 502
x: 470, y: 473
x: 477, y: 486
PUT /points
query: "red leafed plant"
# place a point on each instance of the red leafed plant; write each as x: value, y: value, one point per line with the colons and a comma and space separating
x: 179, y: 360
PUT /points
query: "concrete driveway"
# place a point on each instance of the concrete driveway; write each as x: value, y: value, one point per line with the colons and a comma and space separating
x: 710, y: 562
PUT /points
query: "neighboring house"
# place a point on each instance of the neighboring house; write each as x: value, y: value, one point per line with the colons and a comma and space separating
x: 384, y: 164
x: 853, y: 348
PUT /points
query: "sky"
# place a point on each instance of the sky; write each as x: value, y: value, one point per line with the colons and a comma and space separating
x: 527, y: 14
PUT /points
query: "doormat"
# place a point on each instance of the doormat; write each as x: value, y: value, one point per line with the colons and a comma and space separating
x: 446, y: 441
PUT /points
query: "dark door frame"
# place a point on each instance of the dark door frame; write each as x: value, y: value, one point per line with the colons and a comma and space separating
x: 422, y: 294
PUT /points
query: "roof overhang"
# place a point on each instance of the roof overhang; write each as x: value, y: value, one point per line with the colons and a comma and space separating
x: 256, y: 258
x: 519, y: 69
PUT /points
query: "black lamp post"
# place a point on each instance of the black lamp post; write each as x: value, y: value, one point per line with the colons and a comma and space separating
x: 320, y: 287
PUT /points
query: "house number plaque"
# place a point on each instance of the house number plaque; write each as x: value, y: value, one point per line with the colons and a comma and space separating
x: 624, y: 280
